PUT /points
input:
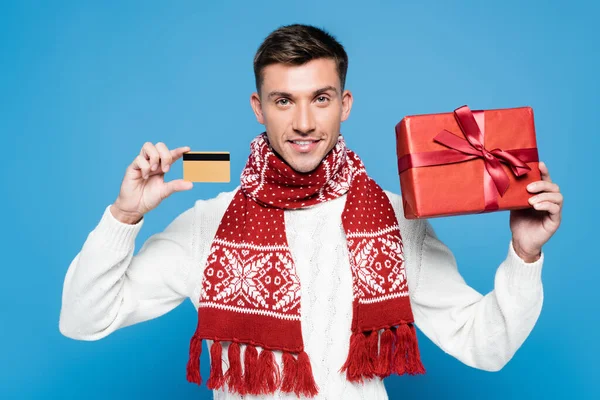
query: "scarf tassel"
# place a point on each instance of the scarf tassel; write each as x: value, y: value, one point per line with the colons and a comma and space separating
x: 359, y: 364
x: 261, y: 372
x: 193, y: 365
x: 216, y: 378
x: 383, y: 367
x: 268, y: 374
x: 233, y: 376
x: 381, y: 354
x: 305, y: 381
x: 251, y: 383
x: 373, y: 346
x: 290, y: 370
x: 407, y: 359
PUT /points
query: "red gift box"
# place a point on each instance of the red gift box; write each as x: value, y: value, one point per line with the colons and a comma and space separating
x: 466, y: 162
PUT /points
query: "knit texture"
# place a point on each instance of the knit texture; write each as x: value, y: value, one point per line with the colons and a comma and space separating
x: 107, y: 288
x: 251, y: 292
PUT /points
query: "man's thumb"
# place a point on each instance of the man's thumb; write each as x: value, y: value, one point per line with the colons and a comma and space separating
x: 178, y: 185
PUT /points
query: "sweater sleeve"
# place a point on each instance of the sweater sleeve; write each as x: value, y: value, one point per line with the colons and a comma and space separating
x: 106, y: 287
x: 482, y: 331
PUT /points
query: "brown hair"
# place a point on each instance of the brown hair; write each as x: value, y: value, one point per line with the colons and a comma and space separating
x: 298, y: 44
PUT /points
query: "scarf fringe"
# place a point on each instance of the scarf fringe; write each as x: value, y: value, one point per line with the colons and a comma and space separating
x: 233, y: 376
x: 262, y: 374
x: 251, y: 383
x: 216, y: 378
x: 400, y: 349
x: 381, y: 354
x: 414, y: 356
x: 407, y: 359
x: 395, y: 350
x: 358, y: 364
x: 290, y: 370
x: 305, y: 382
x: 268, y: 373
x: 373, y: 346
x: 193, y: 365
x: 383, y: 366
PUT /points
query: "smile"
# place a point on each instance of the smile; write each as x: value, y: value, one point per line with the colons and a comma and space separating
x: 303, y: 146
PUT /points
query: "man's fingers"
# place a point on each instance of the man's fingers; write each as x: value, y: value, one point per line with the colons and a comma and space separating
x: 165, y: 156
x: 177, y: 185
x: 547, y: 196
x: 151, y: 154
x: 142, y: 164
x: 545, y: 174
x: 552, y: 208
x: 543, y: 186
x: 178, y: 152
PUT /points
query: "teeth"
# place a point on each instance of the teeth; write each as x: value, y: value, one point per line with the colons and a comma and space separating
x: 303, y: 143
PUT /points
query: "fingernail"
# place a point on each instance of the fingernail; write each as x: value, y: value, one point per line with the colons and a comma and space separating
x: 166, y: 168
x: 154, y: 167
x: 533, y: 199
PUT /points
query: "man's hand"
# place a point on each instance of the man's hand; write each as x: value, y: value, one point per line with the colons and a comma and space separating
x: 144, y: 186
x: 532, y: 228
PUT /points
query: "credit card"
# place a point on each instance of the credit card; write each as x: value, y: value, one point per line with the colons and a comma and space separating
x: 206, y: 166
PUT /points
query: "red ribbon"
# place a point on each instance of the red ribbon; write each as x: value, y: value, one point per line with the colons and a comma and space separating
x: 495, y: 179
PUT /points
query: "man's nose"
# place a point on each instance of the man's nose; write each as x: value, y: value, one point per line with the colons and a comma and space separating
x: 304, y: 121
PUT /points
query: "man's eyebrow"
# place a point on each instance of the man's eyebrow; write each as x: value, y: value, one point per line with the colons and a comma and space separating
x: 315, y: 93
x: 325, y: 89
x: 280, y: 94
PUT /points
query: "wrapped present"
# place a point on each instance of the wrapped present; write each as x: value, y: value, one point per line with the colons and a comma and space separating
x: 466, y: 162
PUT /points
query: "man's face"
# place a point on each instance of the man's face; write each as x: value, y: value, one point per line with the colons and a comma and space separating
x: 302, y: 108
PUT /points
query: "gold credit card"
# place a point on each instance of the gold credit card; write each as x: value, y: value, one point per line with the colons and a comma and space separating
x: 206, y: 166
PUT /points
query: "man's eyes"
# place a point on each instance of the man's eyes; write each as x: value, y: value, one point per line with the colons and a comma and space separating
x: 285, y: 102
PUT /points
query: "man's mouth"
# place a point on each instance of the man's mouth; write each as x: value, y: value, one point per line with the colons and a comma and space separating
x: 304, y: 145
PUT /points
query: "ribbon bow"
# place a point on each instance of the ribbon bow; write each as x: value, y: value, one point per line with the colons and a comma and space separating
x: 474, y: 145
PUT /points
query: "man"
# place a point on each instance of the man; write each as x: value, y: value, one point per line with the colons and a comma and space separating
x: 307, y: 279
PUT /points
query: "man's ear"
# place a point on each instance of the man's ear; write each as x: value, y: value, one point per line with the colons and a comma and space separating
x: 346, y: 104
x: 257, y: 107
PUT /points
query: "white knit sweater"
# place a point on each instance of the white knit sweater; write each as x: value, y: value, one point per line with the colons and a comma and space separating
x: 107, y: 287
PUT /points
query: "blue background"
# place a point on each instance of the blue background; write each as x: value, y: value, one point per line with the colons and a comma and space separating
x: 83, y: 86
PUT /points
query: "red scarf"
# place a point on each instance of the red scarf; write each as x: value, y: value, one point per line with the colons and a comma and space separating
x: 251, y: 291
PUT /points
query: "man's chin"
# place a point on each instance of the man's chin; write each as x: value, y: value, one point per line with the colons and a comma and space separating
x: 304, y: 168
x: 306, y: 171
